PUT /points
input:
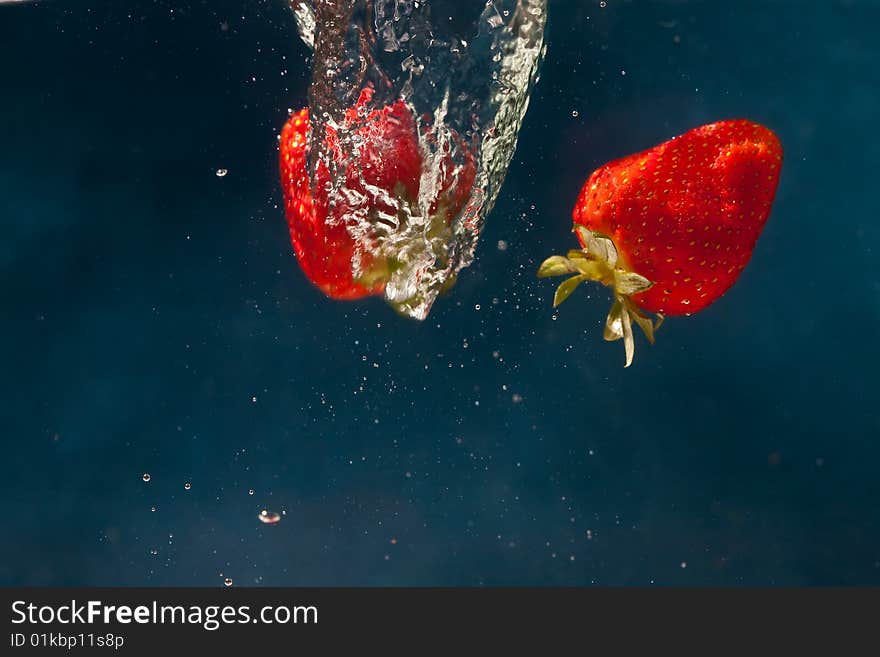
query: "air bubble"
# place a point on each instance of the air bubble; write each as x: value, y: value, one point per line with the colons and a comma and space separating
x: 221, y: 173
x: 269, y: 517
x: 146, y: 476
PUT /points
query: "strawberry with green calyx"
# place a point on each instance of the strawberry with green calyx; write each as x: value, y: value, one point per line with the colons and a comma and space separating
x: 671, y: 228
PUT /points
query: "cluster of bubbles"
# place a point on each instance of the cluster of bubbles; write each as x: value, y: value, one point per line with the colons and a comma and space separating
x: 466, y: 71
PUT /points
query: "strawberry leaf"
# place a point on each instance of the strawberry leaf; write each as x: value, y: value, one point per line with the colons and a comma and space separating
x: 645, y: 324
x: 555, y: 266
x: 583, y: 232
x: 629, y: 282
x: 629, y: 344
x: 599, y: 246
x: 566, y: 288
x: 619, y: 325
x: 614, y: 322
x: 593, y: 270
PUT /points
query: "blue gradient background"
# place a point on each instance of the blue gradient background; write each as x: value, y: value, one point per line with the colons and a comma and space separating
x: 146, y: 303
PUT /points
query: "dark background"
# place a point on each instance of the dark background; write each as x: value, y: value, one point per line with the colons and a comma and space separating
x: 153, y: 319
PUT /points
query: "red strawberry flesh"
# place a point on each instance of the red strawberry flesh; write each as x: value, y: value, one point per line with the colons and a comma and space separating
x: 686, y: 214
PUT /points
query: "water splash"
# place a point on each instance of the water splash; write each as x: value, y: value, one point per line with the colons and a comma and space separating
x: 305, y: 21
x: 466, y: 75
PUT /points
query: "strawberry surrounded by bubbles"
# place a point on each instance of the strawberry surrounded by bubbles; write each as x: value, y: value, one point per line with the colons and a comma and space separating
x: 342, y: 232
x: 670, y: 229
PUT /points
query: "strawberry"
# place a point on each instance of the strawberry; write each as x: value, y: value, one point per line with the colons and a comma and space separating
x: 670, y: 229
x: 346, y: 228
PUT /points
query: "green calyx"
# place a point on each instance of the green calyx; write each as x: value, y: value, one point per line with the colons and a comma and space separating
x: 598, y: 261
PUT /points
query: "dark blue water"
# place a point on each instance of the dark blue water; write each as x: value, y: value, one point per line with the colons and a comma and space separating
x: 154, y: 320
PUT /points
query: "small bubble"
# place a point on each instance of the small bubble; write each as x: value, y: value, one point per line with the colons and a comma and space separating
x: 221, y: 173
x: 502, y: 245
x: 603, y: 4
x: 269, y: 517
x: 251, y: 491
x: 154, y: 551
x: 152, y: 509
x: 477, y: 307
x: 187, y: 486
x: 146, y: 476
x: 574, y: 113
x: 227, y: 581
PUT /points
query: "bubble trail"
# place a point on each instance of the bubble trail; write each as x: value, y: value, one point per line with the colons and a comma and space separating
x: 466, y: 72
